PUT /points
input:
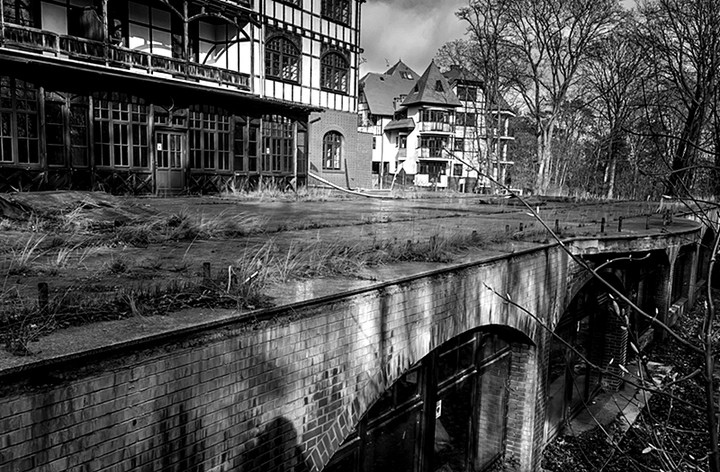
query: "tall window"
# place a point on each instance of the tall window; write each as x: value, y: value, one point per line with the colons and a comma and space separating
x: 282, y: 59
x: 209, y: 140
x: 334, y: 72
x: 337, y: 10
x: 66, y: 134
x: 332, y: 150
x: 121, y: 134
x: 278, y: 144
x: 19, y: 141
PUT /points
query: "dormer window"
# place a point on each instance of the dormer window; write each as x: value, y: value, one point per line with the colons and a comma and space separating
x: 439, y: 86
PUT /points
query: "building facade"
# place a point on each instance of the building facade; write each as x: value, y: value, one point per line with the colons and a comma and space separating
x: 172, y: 96
x: 435, y: 130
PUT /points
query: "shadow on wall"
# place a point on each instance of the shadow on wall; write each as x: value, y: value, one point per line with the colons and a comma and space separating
x: 276, y: 449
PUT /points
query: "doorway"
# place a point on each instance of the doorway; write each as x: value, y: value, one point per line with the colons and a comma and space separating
x: 169, y: 159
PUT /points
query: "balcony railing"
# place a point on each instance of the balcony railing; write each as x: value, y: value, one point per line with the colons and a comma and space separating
x: 32, y: 39
x: 432, y: 153
x: 435, y: 127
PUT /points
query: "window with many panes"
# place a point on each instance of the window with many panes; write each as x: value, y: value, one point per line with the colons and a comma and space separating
x: 467, y: 93
x: 19, y: 141
x: 282, y: 59
x: 336, y: 10
x: 433, y: 144
x: 120, y: 134
x: 334, y: 72
x: 155, y: 29
x: 436, y: 116
x: 278, y: 144
x: 21, y: 12
x: 66, y: 129
x: 332, y: 150
x: 209, y: 140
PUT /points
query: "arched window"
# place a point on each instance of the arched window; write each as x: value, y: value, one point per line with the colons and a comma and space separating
x: 334, y: 72
x: 282, y: 59
x: 332, y: 150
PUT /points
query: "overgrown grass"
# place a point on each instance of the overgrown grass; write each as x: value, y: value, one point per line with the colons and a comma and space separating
x: 182, y: 226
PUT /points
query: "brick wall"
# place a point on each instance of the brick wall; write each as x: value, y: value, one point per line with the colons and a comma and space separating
x: 356, y: 165
x: 279, y: 389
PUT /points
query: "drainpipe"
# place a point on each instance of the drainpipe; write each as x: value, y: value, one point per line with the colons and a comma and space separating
x: 261, y: 54
x: 295, y: 153
x: 2, y: 22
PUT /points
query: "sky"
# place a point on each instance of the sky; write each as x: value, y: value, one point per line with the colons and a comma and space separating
x: 411, y: 30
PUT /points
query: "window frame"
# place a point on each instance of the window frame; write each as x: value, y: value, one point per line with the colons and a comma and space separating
x: 334, y: 77
x: 129, y: 119
x: 210, y: 140
x: 332, y: 150
x: 22, y: 110
x: 338, y: 11
x: 278, y: 59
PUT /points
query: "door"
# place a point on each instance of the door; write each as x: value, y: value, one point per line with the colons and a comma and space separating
x: 169, y: 162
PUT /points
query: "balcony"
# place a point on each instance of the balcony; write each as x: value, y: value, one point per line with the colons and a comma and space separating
x: 435, y: 127
x: 71, y: 47
x: 432, y: 153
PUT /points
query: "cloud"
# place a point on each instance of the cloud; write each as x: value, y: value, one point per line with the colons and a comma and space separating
x: 411, y: 30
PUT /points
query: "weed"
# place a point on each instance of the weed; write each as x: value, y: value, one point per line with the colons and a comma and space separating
x: 22, y: 260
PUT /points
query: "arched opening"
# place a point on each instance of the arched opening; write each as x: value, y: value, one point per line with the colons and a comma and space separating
x: 590, y: 333
x: 447, y: 413
x: 332, y: 150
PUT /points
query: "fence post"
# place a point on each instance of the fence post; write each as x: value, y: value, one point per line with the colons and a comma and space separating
x: 43, y: 296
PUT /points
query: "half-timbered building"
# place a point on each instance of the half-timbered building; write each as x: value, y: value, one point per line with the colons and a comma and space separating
x: 172, y: 96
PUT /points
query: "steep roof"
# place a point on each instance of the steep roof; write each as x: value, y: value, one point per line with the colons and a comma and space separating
x: 460, y: 74
x: 381, y: 90
x: 432, y: 89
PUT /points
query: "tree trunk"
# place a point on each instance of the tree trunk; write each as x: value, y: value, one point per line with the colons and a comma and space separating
x: 684, y: 156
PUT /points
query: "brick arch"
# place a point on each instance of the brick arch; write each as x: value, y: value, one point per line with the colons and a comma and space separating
x: 517, y: 341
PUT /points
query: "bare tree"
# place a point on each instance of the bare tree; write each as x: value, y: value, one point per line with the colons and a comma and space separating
x: 549, y: 41
x: 683, y: 44
x: 612, y: 76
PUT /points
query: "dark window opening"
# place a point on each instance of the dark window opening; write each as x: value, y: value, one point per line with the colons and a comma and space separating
x: 336, y: 10
x: 332, y: 150
x: 448, y: 412
x: 209, y: 140
x: 121, y: 134
x: 334, y: 72
x: 22, y: 12
x: 19, y: 128
x: 282, y: 59
x: 278, y: 144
